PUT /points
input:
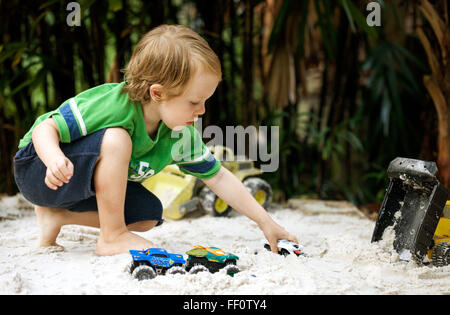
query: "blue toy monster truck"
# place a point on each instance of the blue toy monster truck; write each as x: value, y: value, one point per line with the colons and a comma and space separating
x: 148, y: 263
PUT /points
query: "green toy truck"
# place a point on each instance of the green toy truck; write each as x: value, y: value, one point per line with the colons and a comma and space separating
x: 211, y: 259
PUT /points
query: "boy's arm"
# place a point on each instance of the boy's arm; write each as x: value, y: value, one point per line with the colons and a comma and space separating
x: 230, y: 189
x: 46, y: 139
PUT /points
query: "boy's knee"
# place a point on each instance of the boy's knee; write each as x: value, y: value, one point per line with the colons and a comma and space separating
x: 142, y: 226
x: 116, y: 141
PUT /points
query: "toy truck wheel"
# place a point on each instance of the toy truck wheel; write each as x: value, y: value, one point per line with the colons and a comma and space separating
x: 176, y: 270
x: 260, y: 190
x: 280, y: 251
x: 441, y: 254
x: 143, y: 272
x: 197, y: 268
x: 134, y: 264
x: 231, y: 269
x: 213, y: 204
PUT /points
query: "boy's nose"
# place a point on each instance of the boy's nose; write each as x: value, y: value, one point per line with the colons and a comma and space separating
x: 201, y: 110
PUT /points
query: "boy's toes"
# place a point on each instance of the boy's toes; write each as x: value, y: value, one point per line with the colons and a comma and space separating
x: 45, y: 249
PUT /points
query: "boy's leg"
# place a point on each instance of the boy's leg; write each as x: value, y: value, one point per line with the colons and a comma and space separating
x: 110, y: 180
x: 52, y: 219
x: 142, y: 226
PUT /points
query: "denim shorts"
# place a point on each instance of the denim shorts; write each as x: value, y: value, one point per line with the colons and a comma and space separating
x: 79, y: 194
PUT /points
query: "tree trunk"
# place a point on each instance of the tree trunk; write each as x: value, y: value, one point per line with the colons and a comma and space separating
x: 98, y: 14
x: 249, y: 117
x: 123, y: 44
x: 438, y: 82
x: 213, y: 14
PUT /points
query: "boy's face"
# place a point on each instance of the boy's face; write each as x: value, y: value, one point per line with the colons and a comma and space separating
x: 181, y: 111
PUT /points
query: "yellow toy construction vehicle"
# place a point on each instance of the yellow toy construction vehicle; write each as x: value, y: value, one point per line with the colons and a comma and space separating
x: 182, y: 193
x: 439, y: 253
x: 416, y: 207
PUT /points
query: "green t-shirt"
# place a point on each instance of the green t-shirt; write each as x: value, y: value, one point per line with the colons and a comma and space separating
x: 108, y: 106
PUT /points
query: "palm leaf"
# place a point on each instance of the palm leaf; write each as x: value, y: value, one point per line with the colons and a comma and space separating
x: 356, y: 16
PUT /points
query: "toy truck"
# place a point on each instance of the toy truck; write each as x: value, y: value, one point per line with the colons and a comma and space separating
x: 147, y: 264
x: 439, y: 251
x: 286, y: 247
x: 416, y: 206
x: 211, y: 259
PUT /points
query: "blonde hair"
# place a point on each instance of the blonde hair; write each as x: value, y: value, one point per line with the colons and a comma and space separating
x: 168, y: 55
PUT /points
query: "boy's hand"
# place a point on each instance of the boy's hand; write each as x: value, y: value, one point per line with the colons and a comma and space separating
x: 230, y: 189
x: 274, y: 232
x: 59, y: 171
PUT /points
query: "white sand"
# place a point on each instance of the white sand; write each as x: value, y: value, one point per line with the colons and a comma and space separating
x: 341, y: 258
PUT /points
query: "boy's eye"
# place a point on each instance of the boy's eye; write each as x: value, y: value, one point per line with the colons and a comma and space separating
x: 195, y: 103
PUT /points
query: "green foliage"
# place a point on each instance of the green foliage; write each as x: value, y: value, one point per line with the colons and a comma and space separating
x: 356, y: 17
x: 389, y: 65
x: 43, y: 62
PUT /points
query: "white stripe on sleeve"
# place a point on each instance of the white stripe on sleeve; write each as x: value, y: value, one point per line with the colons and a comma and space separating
x: 77, y: 113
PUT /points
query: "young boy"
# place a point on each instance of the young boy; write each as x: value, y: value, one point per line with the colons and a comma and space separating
x: 83, y: 162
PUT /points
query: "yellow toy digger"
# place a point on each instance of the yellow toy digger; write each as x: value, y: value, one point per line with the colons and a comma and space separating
x: 181, y: 193
x: 439, y: 254
x: 416, y: 206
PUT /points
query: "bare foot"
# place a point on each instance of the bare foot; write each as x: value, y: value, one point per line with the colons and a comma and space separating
x: 122, y: 244
x: 49, y: 226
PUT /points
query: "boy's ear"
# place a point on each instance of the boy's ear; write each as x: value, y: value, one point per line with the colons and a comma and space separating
x: 156, y: 92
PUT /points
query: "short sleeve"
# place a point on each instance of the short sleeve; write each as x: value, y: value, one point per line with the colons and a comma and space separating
x: 97, y: 108
x: 70, y: 123
x: 192, y: 156
x: 94, y: 109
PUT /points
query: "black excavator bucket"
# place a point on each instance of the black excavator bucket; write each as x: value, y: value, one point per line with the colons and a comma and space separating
x: 413, y: 205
